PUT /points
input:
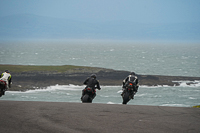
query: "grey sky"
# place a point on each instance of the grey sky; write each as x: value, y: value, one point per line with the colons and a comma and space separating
x: 146, y: 11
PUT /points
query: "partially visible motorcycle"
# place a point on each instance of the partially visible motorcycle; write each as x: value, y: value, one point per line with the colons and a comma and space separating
x: 2, y: 87
x: 89, y: 95
x: 129, y: 92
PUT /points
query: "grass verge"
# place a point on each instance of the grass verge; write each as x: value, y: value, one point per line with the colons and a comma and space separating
x: 26, y: 68
x: 198, y: 106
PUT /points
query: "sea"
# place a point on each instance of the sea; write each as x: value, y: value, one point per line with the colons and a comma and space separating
x: 144, y: 58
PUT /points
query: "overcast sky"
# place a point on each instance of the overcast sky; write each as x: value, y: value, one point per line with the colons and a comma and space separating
x: 146, y: 11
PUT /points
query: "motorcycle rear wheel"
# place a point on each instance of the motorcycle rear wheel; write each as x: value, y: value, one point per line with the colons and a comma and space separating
x: 126, y: 98
x: 86, y: 99
x: 1, y: 93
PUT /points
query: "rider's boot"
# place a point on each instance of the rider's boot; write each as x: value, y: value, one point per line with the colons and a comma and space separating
x: 123, y: 90
x: 94, y: 95
x: 132, y: 96
x: 122, y: 93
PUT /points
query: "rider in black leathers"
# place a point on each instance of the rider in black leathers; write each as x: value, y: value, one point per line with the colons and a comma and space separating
x: 131, y: 77
x: 92, y: 83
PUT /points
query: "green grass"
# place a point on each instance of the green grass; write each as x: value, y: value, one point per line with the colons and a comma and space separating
x: 198, y: 106
x: 26, y: 68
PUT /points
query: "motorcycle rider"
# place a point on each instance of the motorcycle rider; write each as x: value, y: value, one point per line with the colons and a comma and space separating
x: 92, y: 83
x: 6, y: 76
x: 133, y: 78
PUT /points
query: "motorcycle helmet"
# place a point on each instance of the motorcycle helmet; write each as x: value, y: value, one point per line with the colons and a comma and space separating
x: 7, y: 71
x: 132, y: 73
x: 93, y: 76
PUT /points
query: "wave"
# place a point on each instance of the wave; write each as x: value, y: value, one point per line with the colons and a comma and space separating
x: 72, y: 87
x: 186, y: 83
x: 192, y: 98
x: 157, y: 95
x: 176, y: 105
x: 112, y: 103
x: 182, y: 83
x: 69, y: 87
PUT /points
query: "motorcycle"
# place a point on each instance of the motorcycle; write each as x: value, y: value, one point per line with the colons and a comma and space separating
x: 2, y: 87
x: 129, y: 92
x: 89, y: 95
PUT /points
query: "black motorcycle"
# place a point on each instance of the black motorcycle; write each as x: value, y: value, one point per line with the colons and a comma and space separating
x: 129, y: 92
x: 2, y: 87
x: 89, y: 95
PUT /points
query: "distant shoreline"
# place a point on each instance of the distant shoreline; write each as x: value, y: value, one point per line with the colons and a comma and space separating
x: 31, y: 77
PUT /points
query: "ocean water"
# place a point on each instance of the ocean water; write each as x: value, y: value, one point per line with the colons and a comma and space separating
x: 180, y: 96
x: 171, y: 59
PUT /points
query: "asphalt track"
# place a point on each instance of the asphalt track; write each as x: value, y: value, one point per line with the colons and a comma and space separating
x: 64, y: 117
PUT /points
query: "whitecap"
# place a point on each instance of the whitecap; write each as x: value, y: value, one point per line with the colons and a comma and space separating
x: 192, y: 98
x: 187, y: 83
x: 104, y: 96
x: 70, y: 87
x: 165, y: 85
x: 157, y: 96
x: 110, y: 103
x: 183, y: 84
x: 119, y: 91
x: 177, y: 105
x: 25, y: 96
x: 146, y: 86
x: 141, y: 95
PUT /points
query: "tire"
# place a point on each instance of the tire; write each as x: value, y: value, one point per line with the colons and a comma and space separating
x: 2, y: 89
x: 126, y: 98
x: 86, y: 99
